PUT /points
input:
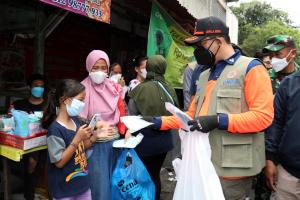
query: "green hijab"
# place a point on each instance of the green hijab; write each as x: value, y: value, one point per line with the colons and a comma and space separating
x: 149, y: 96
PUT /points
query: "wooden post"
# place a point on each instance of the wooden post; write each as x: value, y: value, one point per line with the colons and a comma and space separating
x: 43, y: 28
x: 39, y: 42
x: 6, y: 178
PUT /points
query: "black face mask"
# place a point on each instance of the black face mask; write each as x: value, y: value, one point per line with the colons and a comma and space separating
x: 205, y: 56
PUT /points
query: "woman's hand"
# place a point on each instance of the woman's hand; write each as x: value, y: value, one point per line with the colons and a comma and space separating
x: 104, y: 132
x: 102, y: 124
x: 122, y: 81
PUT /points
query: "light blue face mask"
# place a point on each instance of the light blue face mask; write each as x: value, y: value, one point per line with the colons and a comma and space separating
x: 37, y: 92
x: 75, y: 108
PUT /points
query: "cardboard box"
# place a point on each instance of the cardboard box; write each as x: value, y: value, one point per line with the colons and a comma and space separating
x: 38, y: 139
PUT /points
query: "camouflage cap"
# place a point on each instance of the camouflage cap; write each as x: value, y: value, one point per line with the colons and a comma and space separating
x: 278, y: 42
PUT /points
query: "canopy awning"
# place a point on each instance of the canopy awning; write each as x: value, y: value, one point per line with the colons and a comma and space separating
x: 205, y: 8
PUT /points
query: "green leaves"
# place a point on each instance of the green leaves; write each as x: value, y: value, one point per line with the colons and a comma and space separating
x: 259, y: 21
x: 257, y: 36
x: 255, y: 14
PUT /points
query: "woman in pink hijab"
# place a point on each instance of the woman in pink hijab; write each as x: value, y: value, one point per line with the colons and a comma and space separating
x: 103, y: 97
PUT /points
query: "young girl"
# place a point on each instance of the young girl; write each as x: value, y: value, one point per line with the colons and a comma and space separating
x: 67, y: 142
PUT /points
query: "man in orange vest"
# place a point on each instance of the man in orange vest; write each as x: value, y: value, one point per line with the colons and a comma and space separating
x: 234, y: 102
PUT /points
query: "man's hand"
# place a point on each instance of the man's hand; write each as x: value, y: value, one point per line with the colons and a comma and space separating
x: 271, y: 175
x: 204, y: 124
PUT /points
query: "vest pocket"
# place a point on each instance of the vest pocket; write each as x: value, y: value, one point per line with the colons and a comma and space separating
x: 229, y: 101
x: 237, y: 151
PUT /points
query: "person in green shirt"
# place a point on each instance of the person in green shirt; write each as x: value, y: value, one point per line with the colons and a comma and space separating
x: 283, y: 52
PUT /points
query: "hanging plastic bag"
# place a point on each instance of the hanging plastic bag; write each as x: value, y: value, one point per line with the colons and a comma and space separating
x: 177, y: 161
x: 21, y: 123
x: 7, y: 124
x: 176, y: 165
x: 130, y: 178
x: 34, y: 124
x: 197, y: 178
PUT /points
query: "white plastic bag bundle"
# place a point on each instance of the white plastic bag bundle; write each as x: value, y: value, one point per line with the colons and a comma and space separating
x: 177, y: 161
x: 197, y: 178
x: 176, y: 165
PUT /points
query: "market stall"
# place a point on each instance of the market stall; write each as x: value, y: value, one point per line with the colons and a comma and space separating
x: 20, y: 134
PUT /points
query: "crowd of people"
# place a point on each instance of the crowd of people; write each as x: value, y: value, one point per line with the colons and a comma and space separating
x: 227, y: 94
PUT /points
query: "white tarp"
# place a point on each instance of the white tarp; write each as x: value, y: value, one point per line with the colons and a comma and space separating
x: 218, y: 8
x: 205, y: 8
x: 197, y: 8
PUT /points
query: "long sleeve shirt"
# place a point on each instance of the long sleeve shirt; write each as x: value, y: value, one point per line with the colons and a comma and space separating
x: 282, y: 137
x: 258, y: 95
x: 187, y: 78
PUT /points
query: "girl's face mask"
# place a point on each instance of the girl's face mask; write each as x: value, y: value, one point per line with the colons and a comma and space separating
x: 143, y: 73
x: 75, y: 108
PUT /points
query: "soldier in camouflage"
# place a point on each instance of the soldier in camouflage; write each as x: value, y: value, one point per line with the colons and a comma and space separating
x: 282, y: 51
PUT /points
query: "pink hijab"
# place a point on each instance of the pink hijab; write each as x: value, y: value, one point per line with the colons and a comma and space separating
x: 100, y: 98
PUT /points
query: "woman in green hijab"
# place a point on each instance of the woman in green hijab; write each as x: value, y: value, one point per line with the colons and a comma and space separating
x: 148, y: 99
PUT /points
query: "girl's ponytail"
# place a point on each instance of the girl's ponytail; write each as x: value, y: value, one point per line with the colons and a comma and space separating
x: 50, y: 110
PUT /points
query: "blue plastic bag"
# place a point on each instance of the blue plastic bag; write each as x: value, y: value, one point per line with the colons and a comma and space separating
x: 21, y: 123
x: 130, y: 178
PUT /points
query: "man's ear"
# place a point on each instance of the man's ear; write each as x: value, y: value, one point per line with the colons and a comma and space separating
x: 221, y: 40
x: 293, y: 53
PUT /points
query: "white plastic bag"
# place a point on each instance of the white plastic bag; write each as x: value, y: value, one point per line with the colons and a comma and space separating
x: 177, y: 161
x: 176, y: 165
x: 197, y: 178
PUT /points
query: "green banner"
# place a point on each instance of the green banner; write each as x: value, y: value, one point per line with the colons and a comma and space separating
x: 166, y: 38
